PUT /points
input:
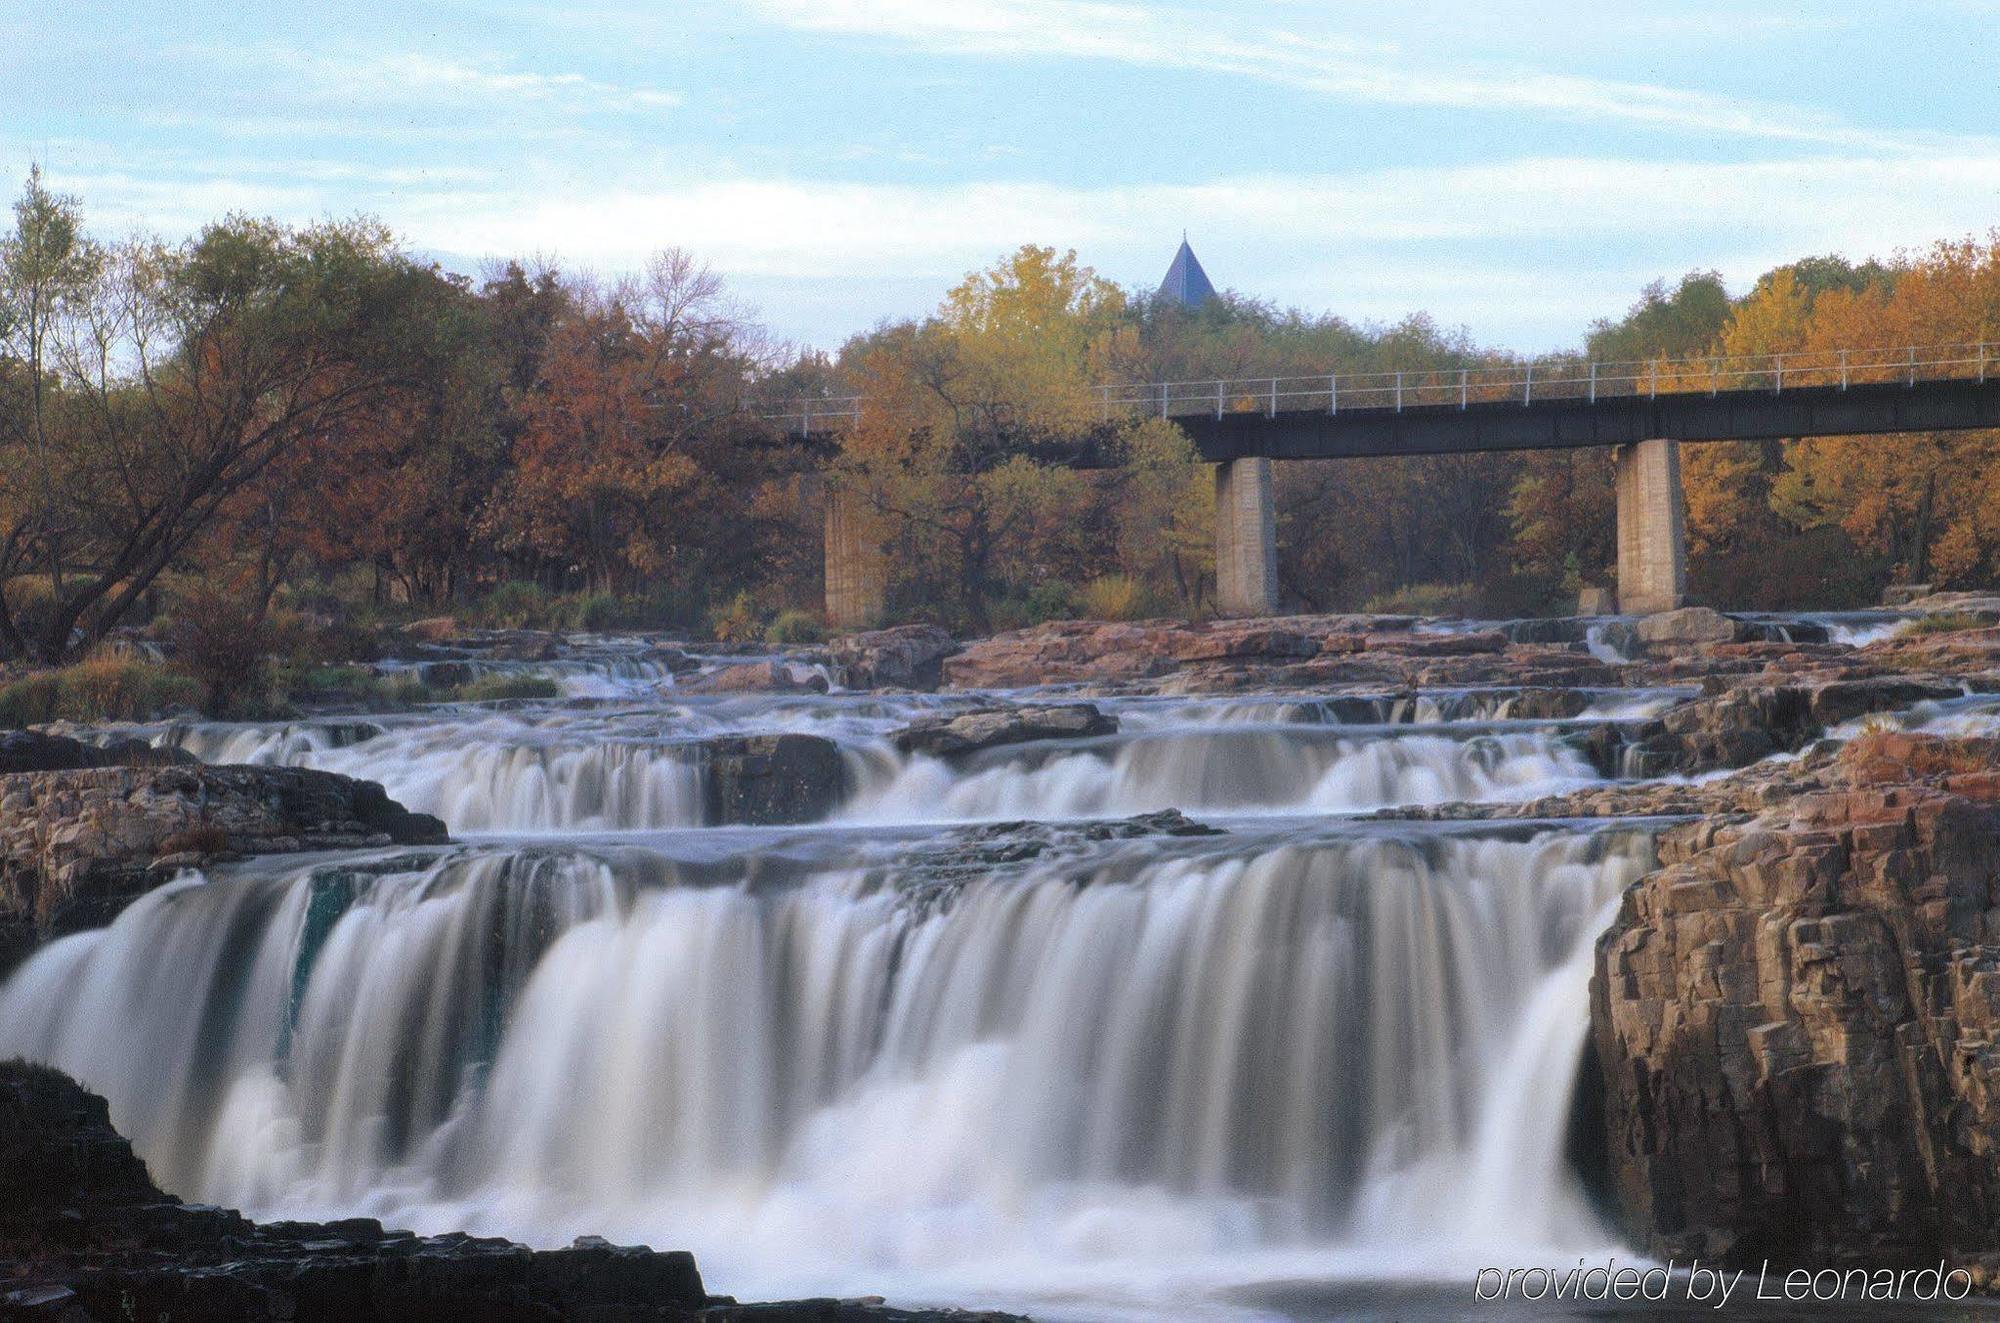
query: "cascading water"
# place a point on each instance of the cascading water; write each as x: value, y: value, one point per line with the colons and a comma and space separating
x: 894, y: 1065
x: 551, y: 770
x: 918, y: 1048
x: 1244, y: 769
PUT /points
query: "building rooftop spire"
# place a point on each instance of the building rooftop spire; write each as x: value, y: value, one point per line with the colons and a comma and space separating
x: 1186, y: 282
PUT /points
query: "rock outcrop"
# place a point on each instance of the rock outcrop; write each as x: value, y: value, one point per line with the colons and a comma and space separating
x: 1798, y: 1022
x: 953, y: 734
x: 77, y: 846
x: 758, y: 677
x: 44, y: 751
x: 86, y: 1237
x: 764, y: 780
x: 903, y: 657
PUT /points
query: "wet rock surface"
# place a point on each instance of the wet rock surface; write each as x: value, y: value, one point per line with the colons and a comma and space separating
x: 763, y: 780
x: 903, y: 657
x: 758, y: 677
x: 958, y: 733
x: 86, y: 1237
x: 77, y: 846
x: 972, y: 852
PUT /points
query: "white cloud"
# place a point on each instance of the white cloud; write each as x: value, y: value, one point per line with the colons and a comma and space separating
x: 1523, y: 251
x: 798, y: 228
x: 1336, y: 67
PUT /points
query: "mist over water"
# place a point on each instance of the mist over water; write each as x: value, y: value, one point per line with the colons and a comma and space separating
x: 1087, y: 1073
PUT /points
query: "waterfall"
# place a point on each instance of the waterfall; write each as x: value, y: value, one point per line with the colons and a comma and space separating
x: 1225, y: 768
x: 870, y: 1070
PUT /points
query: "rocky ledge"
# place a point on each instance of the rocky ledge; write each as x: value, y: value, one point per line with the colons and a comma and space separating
x: 954, y: 734
x: 79, y: 843
x: 1336, y: 652
x: 86, y: 1237
x: 1797, y: 1019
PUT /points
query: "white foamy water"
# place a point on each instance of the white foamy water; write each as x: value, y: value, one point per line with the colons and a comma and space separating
x: 1053, y: 1068
x: 1097, y: 1072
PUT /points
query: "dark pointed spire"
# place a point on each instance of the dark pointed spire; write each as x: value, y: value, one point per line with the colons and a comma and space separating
x: 1186, y: 282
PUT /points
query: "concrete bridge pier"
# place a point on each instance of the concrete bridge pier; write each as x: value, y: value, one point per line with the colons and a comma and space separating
x: 1246, y: 539
x: 1652, y: 528
x: 857, y: 571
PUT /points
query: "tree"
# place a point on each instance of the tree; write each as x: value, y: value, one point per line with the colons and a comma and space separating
x: 963, y: 414
x: 161, y: 382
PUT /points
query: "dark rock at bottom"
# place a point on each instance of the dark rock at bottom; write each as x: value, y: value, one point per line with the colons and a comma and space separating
x: 86, y: 1237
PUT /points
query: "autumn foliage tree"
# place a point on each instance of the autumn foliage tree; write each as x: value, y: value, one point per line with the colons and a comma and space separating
x: 148, y: 386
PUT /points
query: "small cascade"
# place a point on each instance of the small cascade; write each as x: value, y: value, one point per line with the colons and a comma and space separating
x: 1229, y: 769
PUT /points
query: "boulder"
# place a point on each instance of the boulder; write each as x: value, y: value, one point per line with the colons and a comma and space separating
x: 759, y: 677
x: 1843, y: 700
x: 1560, y: 629
x: 952, y: 734
x: 903, y: 657
x: 1547, y: 704
x: 1727, y: 729
x: 1797, y: 1024
x: 1690, y: 624
x: 764, y: 780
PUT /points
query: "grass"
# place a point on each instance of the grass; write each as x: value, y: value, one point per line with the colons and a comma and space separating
x: 492, y: 688
x: 1426, y: 599
x: 99, y: 689
x: 1946, y: 622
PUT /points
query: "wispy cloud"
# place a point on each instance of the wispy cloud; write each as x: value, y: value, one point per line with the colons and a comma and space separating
x: 1335, y: 67
x: 464, y: 82
x: 368, y: 80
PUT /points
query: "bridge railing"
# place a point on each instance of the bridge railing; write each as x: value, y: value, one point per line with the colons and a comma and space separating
x: 1543, y: 380
x: 1523, y: 382
x: 804, y: 417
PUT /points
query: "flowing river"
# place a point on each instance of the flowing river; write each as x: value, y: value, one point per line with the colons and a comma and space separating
x: 960, y: 1041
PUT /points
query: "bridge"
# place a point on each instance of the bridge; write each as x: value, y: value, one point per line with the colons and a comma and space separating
x: 1643, y: 410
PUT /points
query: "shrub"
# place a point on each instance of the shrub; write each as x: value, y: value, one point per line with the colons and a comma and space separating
x: 795, y: 627
x: 1115, y: 597
x: 593, y: 611
x: 225, y: 644
x: 516, y: 604
x: 738, y: 622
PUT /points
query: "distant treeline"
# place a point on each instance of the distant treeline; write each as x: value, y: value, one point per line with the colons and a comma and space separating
x: 310, y: 420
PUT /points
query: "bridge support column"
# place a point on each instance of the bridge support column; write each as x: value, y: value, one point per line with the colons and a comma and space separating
x: 1652, y: 528
x: 857, y: 572
x: 1246, y: 539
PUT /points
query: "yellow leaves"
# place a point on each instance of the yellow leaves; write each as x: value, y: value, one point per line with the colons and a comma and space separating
x: 1723, y: 485
x: 1772, y: 320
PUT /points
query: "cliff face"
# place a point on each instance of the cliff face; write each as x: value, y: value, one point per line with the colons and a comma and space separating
x: 1798, y: 1020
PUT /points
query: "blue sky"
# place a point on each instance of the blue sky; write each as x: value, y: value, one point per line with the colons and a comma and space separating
x: 1515, y: 166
